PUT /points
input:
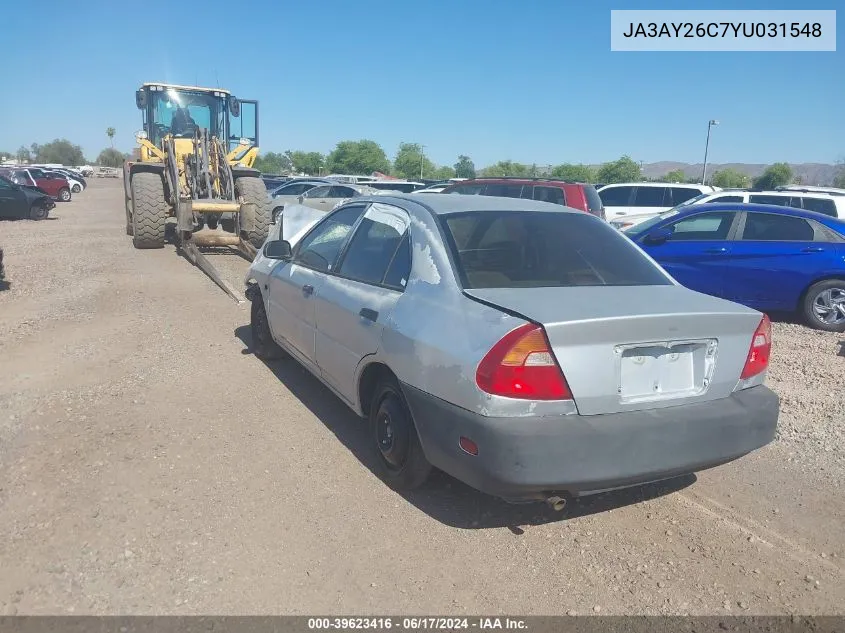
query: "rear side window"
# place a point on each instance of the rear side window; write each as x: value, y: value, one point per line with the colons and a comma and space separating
x: 820, y: 205
x: 703, y: 227
x: 770, y: 227
x: 507, y: 191
x: 373, y: 246
x: 682, y: 194
x: 469, y: 190
x: 726, y: 199
x: 616, y: 196
x: 594, y: 203
x: 553, y: 195
x: 781, y: 201
x: 650, y: 197
x: 320, y: 248
x: 523, y: 249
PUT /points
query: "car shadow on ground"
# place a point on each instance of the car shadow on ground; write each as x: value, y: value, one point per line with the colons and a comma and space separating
x: 444, y: 498
x: 5, y: 285
x: 842, y: 348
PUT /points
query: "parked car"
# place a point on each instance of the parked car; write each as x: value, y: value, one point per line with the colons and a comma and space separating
x: 631, y: 198
x: 767, y: 257
x: 570, y: 194
x: 327, y: 197
x: 75, y: 185
x: 436, y: 188
x: 529, y: 350
x: 56, y: 186
x: 20, y: 177
x: 403, y: 186
x: 825, y: 203
x: 273, y: 182
x: 22, y: 201
x: 833, y: 191
x: 73, y: 176
x: 86, y: 171
x: 290, y: 192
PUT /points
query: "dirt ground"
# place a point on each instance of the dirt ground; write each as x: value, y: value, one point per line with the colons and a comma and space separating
x: 149, y: 464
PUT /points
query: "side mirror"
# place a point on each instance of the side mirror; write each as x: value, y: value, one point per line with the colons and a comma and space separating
x: 300, y: 199
x: 141, y: 99
x: 658, y: 236
x: 278, y: 249
x: 234, y: 106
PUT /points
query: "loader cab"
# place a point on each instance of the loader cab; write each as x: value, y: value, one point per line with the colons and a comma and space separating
x: 181, y: 110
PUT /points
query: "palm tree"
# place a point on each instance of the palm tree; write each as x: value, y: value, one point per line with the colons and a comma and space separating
x: 110, y: 133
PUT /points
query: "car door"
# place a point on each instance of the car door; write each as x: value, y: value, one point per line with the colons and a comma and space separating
x: 293, y: 286
x: 617, y: 200
x: 357, y: 301
x: 775, y: 258
x: 696, y: 252
x: 13, y: 201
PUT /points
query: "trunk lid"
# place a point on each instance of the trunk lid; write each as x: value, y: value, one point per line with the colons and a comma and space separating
x: 637, y: 347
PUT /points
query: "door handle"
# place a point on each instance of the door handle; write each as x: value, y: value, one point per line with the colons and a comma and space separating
x: 812, y: 249
x: 308, y: 289
x: 716, y: 251
x: 371, y: 315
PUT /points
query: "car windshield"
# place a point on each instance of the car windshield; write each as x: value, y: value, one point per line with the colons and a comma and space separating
x: 643, y: 227
x: 526, y: 249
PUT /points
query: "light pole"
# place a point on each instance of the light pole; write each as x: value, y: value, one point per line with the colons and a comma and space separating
x: 422, y: 158
x: 710, y: 124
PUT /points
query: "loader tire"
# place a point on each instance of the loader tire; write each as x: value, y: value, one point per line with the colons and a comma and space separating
x: 252, y: 189
x: 149, y: 210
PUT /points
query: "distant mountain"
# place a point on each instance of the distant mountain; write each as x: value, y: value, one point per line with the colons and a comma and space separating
x: 816, y: 174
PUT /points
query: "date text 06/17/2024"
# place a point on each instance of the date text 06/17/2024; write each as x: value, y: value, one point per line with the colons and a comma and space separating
x: 416, y: 623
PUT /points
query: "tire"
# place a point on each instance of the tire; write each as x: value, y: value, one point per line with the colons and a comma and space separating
x: 263, y: 345
x: 399, y: 455
x: 149, y: 210
x: 824, y: 305
x: 252, y: 189
x: 77, y: 188
x: 213, y: 222
x: 37, y: 212
x: 64, y: 194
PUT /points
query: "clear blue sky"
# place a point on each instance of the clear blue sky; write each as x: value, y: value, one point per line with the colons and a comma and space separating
x: 530, y: 81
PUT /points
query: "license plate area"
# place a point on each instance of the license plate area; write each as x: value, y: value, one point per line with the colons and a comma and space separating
x: 664, y: 370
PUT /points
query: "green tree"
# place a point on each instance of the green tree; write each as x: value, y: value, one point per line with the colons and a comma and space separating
x: 271, y: 163
x: 58, y: 151
x: 411, y: 162
x: 575, y: 173
x: 506, y: 168
x: 443, y: 172
x: 729, y: 178
x: 357, y: 158
x: 110, y: 132
x: 464, y: 168
x: 777, y: 175
x: 623, y: 170
x: 839, y: 178
x: 23, y: 155
x: 310, y: 163
x: 676, y: 175
x: 110, y: 157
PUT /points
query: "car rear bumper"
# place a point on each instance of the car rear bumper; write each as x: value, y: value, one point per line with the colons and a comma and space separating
x: 533, y: 457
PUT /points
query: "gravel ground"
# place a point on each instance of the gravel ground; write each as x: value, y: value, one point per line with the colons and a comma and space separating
x: 149, y: 465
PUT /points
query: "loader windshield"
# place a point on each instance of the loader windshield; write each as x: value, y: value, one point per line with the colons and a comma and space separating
x: 182, y: 112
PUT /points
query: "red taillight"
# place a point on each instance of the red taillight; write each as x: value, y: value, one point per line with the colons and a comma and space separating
x: 761, y: 349
x: 522, y: 365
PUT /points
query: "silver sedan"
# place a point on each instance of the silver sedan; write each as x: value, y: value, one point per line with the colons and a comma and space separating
x: 528, y: 350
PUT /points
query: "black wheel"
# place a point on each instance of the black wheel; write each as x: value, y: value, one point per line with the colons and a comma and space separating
x: 64, y: 194
x: 252, y: 189
x: 402, y: 464
x: 77, y: 188
x: 149, y: 210
x: 213, y: 222
x: 824, y: 305
x: 37, y: 212
x: 263, y: 344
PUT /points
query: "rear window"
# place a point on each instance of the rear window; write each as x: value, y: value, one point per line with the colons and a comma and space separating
x: 593, y: 200
x: 522, y: 249
x: 505, y: 191
x: 820, y: 205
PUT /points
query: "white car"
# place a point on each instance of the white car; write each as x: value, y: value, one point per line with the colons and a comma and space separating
x: 825, y: 203
x: 630, y: 198
x: 433, y: 188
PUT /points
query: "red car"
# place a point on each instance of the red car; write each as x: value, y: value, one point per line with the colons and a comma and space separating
x: 54, y: 186
x: 577, y: 195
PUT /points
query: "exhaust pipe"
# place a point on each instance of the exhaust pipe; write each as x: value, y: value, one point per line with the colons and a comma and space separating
x: 556, y: 503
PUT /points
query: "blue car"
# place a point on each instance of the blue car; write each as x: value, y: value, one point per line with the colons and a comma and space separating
x: 770, y: 258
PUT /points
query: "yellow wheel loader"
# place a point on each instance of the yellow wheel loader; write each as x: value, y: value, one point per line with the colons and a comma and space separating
x: 194, y: 163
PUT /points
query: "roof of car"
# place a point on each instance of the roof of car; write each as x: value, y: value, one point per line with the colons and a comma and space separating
x: 767, y: 208
x: 445, y: 203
